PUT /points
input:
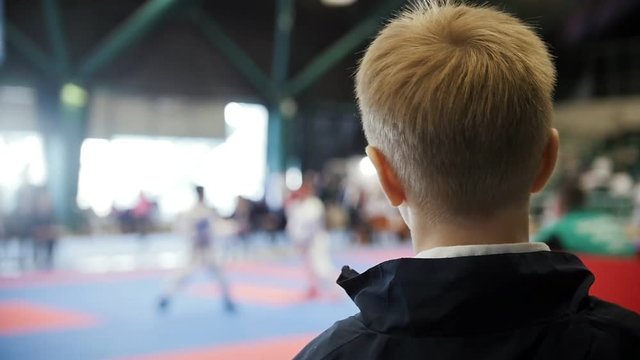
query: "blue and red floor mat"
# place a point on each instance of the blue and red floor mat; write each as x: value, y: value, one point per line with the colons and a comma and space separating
x: 114, y: 316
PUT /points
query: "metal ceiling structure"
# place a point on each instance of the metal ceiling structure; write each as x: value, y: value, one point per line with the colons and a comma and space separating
x: 281, y: 53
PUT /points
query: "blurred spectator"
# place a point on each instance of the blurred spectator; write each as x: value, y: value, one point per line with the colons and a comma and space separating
x: 635, y: 218
x: 3, y: 222
x: 124, y: 219
x: 355, y: 200
x: 585, y: 231
x: 142, y: 213
x: 19, y: 222
x: 138, y: 219
x: 260, y: 218
x: 43, y: 230
x: 599, y: 176
x: 621, y: 185
x: 243, y: 218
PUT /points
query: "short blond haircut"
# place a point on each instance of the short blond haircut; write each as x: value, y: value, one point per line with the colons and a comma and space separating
x: 459, y: 100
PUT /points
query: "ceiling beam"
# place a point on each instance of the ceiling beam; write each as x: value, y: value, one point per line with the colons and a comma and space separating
x: 55, y: 31
x: 28, y: 49
x: 344, y: 46
x: 145, y: 19
x: 278, y: 140
x: 234, y: 53
x: 282, y: 41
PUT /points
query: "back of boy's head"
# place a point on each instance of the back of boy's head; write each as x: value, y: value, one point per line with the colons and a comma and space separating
x: 459, y: 100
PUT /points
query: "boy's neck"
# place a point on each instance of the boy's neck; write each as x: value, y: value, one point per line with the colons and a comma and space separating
x: 510, y: 226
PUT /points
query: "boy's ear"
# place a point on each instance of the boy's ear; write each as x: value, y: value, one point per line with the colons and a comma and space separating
x: 549, y: 158
x: 391, y: 185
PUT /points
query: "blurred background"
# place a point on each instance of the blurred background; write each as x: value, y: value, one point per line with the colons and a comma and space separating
x: 111, y: 112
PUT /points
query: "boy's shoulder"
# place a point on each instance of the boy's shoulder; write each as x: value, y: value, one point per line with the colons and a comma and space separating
x: 618, y: 331
x: 614, y: 316
x: 341, y: 334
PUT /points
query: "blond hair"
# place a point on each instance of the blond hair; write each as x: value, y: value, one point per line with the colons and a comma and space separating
x: 459, y: 100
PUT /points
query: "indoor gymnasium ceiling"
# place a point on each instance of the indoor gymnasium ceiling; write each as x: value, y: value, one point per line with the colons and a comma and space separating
x: 175, y: 57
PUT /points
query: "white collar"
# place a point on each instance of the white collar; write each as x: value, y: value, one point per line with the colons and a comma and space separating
x: 476, y: 250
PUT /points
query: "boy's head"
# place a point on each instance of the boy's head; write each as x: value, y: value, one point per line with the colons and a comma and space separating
x: 456, y: 105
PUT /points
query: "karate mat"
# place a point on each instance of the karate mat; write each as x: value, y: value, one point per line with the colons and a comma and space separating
x: 70, y: 315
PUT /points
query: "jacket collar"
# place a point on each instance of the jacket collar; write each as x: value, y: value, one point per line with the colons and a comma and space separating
x: 477, y: 250
x: 472, y: 294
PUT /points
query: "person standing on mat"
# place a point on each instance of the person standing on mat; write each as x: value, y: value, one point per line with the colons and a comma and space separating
x: 306, y: 227
x: 456, y: 104
x: 199, y: 224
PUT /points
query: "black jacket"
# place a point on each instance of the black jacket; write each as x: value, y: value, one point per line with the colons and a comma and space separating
x: 511, y: 306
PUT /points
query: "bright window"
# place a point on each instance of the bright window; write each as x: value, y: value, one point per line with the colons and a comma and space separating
x: 113, y: 172
x: 22, y: 159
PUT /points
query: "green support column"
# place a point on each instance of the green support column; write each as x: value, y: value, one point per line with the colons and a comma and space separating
x: 48, y: 120
x: 279, y: 119
x: 62, y: 117
x: 275, y: 140
x: 74, y: 111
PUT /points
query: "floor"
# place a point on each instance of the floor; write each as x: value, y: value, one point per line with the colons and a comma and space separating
x: 100, y: 302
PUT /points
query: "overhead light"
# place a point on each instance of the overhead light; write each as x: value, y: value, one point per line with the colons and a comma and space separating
x: 337, y: 3
x: 73, y: 95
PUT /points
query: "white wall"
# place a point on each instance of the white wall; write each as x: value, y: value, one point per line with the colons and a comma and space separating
x: 18, y: 110
x: 124, y: 114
